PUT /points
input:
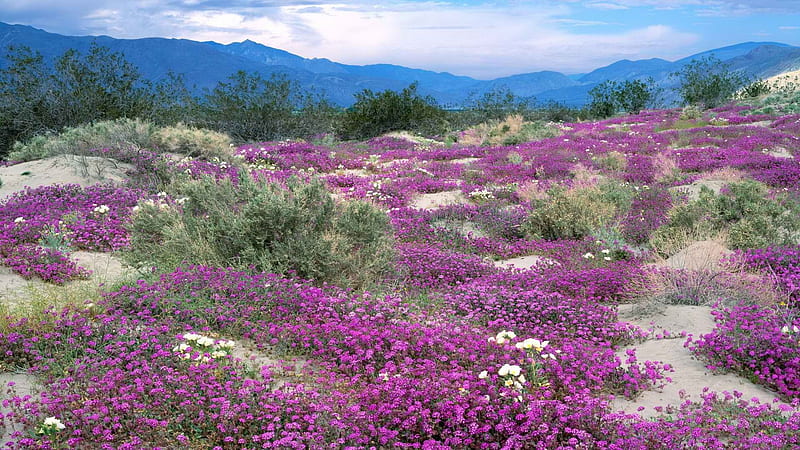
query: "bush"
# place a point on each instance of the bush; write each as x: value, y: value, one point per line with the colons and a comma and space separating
x: 707, y: 82
x: 569, y: 214
x: 610, y: 97
x: 193, y: 142
x: 374, y: 114
x: 295, y: 228
x: 108, y: 134
x: 745, y: 212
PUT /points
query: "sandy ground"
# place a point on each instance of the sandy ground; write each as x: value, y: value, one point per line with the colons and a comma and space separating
x: 65, y: 169
x: 693, y: 190
x: 439, y: 199
x: 523, y: 262
x: 690, y: 376
x: 701, y: 255
x: 784, y: 79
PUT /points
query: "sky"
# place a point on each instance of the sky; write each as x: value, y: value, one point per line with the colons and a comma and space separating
x: 482, y: 39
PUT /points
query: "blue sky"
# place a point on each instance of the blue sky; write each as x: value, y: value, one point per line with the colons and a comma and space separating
x: 483, y: 39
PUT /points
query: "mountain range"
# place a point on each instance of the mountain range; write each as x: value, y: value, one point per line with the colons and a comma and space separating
x: 203, y: 64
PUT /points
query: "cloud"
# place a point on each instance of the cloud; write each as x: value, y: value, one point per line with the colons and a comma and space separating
x: 787, y: 28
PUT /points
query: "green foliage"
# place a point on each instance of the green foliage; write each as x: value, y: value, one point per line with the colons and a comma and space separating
x: 374, y: 114
x: 37, y: 97
x: 120, y: 133
x: 610, y: 97
x: 493, y: 105
x: 755, y: 89
x: 268, y: 227
x: 707, y: 82
x: 250, y: 108
x: 569, y: 214
x: 751, y: 218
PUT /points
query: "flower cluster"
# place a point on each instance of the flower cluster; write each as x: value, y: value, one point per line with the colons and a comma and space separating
x: 202, y: 348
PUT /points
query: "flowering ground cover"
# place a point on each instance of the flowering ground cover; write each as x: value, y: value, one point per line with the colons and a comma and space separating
x: 449, y: 350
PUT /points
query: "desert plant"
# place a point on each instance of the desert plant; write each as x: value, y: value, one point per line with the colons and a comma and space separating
x: 295, y: 228
x: 569, y: 214
x: 707, y: 82
x: 374, y: 114
x: 108, y: 134
x: 194, y: 142
x: 750, y: 217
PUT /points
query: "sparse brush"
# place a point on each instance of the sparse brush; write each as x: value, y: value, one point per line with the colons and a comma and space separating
x: 193, y: 142
x: 35, y: 300
x: 612, y: 161
x: 109, y: 134
x: 569, y: 214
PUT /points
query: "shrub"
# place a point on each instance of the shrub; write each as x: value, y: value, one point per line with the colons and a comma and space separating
x: 707, y: 82
x: 630, y: 96
x: 750, y: 217
x: 295, y: 228
x: 194, y: 142
x: 569, y: 214
x: 108, y: 134
x: 374, y: 114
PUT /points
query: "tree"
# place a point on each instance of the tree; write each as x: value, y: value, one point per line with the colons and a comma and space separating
x: 250, y: 108
x: 24, y: 108
x: 376, y: 113
x: 707, y: 82
x: 630, y: 96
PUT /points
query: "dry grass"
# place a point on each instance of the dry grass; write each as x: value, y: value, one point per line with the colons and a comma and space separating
x: 666, y: 168
x: 35, y: 301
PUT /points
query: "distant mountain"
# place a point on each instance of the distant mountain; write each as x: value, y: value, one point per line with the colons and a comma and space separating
x: 204, y: 64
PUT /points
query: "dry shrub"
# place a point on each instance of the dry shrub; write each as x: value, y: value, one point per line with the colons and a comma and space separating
x: 612, y: 161
x: 665, y: 167
x: 533, y: 190
x: 585, y: 176
x: 510, y: 131
x: 663, y: 285
x: 193, y: 142
x: 728, y: 174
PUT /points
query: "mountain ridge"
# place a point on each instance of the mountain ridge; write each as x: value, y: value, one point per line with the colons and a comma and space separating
x: 204, y: 63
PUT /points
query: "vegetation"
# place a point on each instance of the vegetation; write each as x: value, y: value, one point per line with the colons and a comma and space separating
x: 375, y: 113
x: 610, y: 97
x: 295, y: 229
x: 708, y: 83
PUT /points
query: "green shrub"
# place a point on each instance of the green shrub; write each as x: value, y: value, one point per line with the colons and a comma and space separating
x: 120, y: 133
x: 569, y: 214
x: 707, y: 82
x: 374, y: 114
x: 194, y: 142
x: 295, y: 228
x: 750, y: 217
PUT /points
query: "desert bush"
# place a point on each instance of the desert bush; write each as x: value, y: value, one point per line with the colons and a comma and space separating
x: 108, y: 134
x: 512, y: 130
x: 750, y: 217
x: 194, y: 142
x: 268, y: 227
x: 707, y: 82
x: 374, y: 114
x: 569, y: 214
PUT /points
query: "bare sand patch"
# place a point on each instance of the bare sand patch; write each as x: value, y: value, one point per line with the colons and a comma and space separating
x: 64, y: 169
x: 22, y: 385
x: 439, y: 199
x: 690, y: 377
x: 700, y: 255
x: 692, y: 191
x: 524, y: 262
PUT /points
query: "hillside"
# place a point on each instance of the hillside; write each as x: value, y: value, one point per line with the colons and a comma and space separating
x: 206, y: 63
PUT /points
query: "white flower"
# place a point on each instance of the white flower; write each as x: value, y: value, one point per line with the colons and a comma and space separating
x: 503, y: 337
x: 205, y: 341
x: 483, y: 375
x: 787, y: 330
x: 181, y: 348
x: 19, y: 219
x: 515, y: 370
x: 53, y: 422
x: 509, y: 382
x: 607, y: 258
x: 182, y: 200
x: 588, y: 255
x: 162, y: 194
x: 503, y: 370
x: 226, y: 344
x: 191, y: 336
x: 218, y: 354
x: 102, y: 209
x: 605, y: 250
